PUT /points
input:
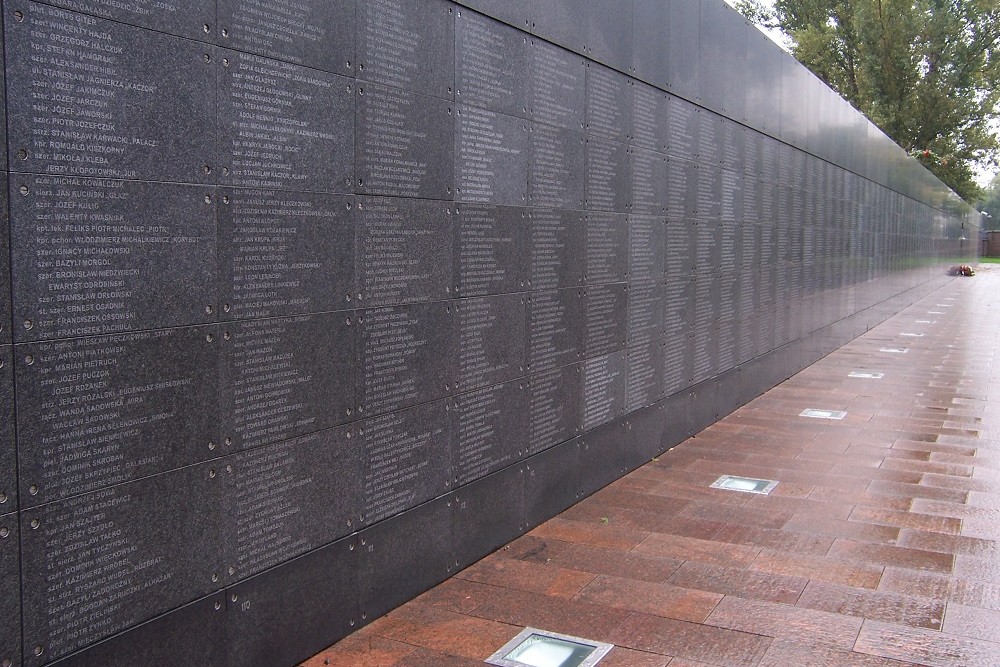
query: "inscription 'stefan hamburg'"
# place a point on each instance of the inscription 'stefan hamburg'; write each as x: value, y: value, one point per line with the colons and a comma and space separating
x: 310, y: 305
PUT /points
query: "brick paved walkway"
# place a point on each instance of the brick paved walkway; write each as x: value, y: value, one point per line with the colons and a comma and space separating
x: 878, y: 547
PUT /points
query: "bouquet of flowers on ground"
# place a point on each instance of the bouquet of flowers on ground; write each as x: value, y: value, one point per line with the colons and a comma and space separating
x: 961, y: 270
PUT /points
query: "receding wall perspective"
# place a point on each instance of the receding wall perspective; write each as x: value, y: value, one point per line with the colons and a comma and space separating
x: 312, y: 304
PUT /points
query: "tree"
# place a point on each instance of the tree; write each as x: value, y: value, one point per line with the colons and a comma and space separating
x: 990, y: 205
x: 927, y: 72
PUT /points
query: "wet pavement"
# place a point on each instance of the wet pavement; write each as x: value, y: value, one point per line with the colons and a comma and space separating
x: 879, y: 546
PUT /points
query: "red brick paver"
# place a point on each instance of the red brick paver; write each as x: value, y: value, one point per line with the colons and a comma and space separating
x: 879, y: 547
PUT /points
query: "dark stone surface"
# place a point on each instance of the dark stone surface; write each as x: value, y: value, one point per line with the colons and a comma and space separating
x: 490, y: 249
x: 646, y: 434
x: 645, y: 383
x: 602, y: 456
x: 406, y: 355
x: 490, y: 429
x: 10, y: 590
x: 514, y: 12
x: 407, y: 44
x: 555, y: 409
x: 682, y: 188
x: 606, y: 323
x: 319, y: 34
x: 81, y: 269
x: 267, y: 626
x: 650, y: 23
x: 558, y: 79
x: 650, y: 117
x: 683, y: 67
x: 491, y: 64
x: 404, y: 250
x: 609, y: 104
x: 647, y: 247
x: 683, y: 125
x: 490, y: 339
x: 194, y: 631
x: 604, y: 388
x: 161, y: 558
x: 285, y: 377
x: 408, y: 458
x: 8, y: 447
x: 608, y: 176
x: 678, y: 361
x: 194, y: 19
x: 607, y: 247
x: 647, y: 303
x: 723, y: 42
x: 704, y: 409
x: 129, y: 123
x: 556, y: 248
x: 488, y: 514
x: 99, y: 411
x: 417, y: 543
x: 680, y: 247
x: 405, y: 143
x: 5, y: 273
x: 649, y: 178
x: 284, y: 253
x: 491, y: 157
x: 291, y: 497
x: 555, y: 328
x: 609, y: 32
x: 551, y: 483
x: 284, y: 126
x: 556, y: 159
x: 560, y: 21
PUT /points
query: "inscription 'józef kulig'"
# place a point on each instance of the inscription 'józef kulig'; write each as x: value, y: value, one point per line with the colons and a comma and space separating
x: 96, y: 256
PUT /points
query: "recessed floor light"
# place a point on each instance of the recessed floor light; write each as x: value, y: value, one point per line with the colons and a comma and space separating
x: 745, y: 484
x: 911, y: 334
x: 935, y: 312
x: 822, y: 414
x: 926, y: 321
x: 540, y: 648
x: 894, y: 350
x: 866, y: 375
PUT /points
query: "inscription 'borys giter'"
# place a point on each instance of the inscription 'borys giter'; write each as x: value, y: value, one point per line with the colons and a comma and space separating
x: 89, y: 97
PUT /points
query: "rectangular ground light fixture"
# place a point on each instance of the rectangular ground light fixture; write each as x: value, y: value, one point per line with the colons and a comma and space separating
x: 816, y: 413
x: 540, y: 648
x: 926, y: 321
x: 912, y: 335
x: 866, y: 375
x: 935, y: 312
x: 894, y: 350
x: 745, y: 484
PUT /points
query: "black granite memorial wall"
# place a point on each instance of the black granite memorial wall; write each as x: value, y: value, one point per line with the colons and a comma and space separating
x: 311, y: 304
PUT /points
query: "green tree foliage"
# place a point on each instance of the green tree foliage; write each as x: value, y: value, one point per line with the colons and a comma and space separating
x: 990, y: 205
x: 927, y: 72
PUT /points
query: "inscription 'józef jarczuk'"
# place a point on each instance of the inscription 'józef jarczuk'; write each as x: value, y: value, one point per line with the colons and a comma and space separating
x: 89, y: 97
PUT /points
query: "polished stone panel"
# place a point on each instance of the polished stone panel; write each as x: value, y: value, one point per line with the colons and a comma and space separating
x: 94, y: 412
x: 126, y: 123
x: 162, y: 558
